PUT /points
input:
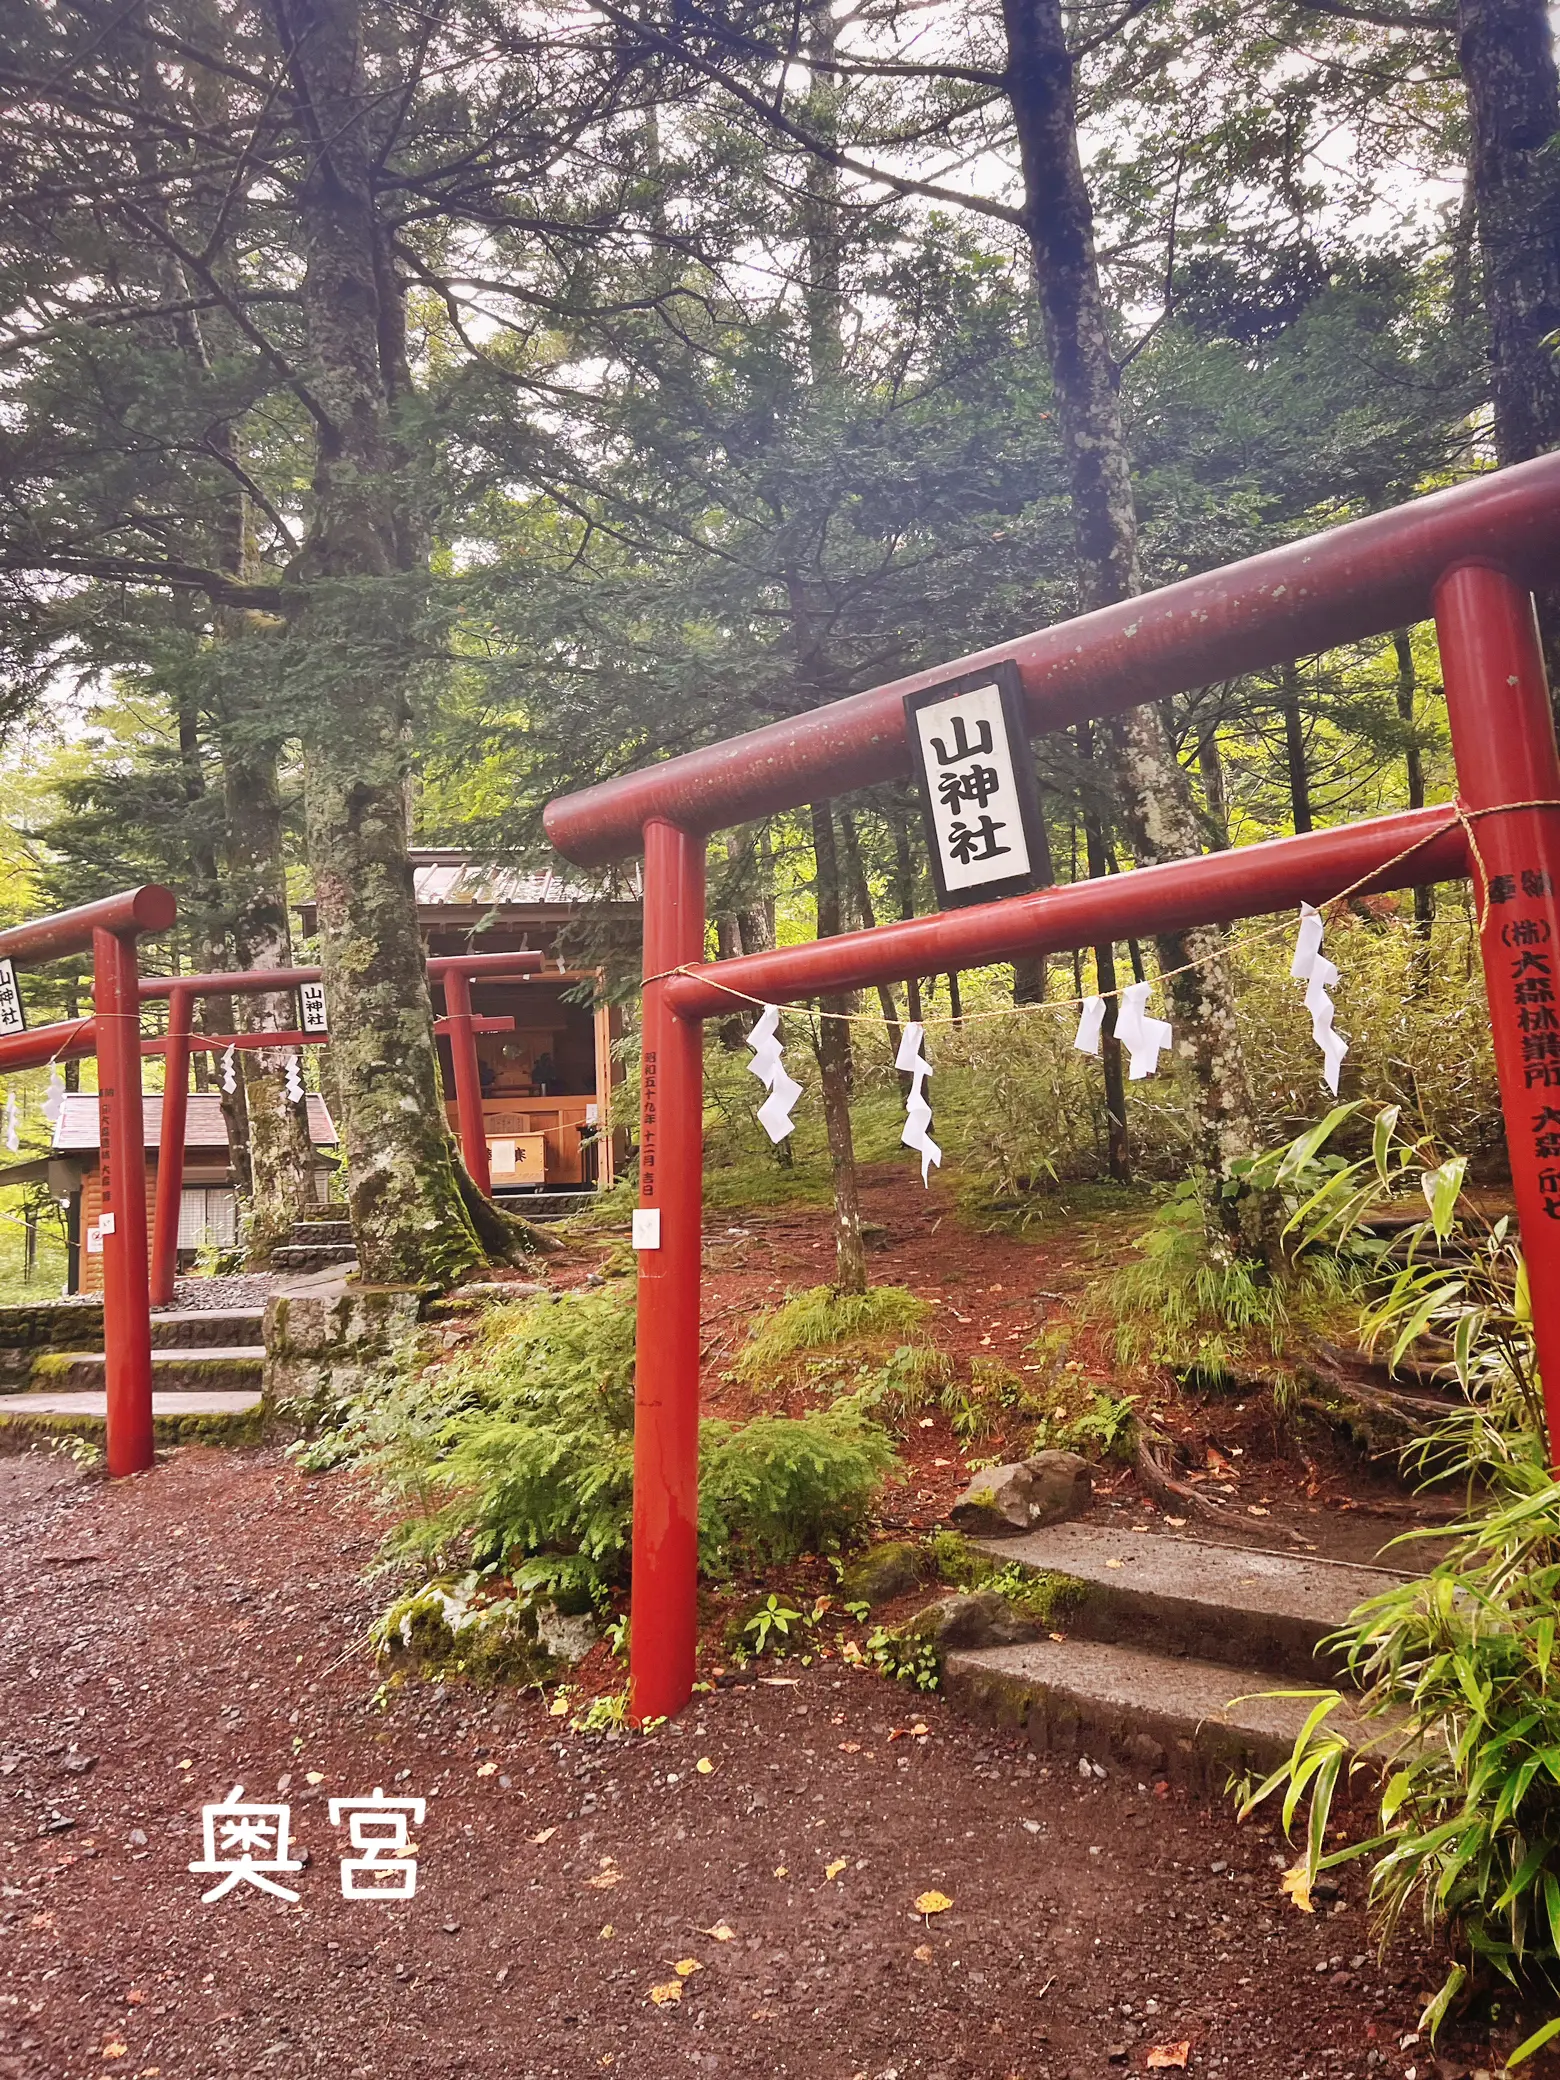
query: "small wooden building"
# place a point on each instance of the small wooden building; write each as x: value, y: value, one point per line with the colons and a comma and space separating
x: 547, y: 1084
x: 208, y: 1201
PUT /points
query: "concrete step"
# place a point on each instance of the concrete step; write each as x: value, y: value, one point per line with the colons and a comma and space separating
x: 311, y: 1256
x: 208, y: 1368
x: 203, y: 1418
x: 183, y: 1328
x: 1195, y: 1722
x: 1187, y: 1597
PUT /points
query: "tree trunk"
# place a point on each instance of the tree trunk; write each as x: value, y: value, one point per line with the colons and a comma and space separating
x: 904, y: 889
x: 834, y: 1072
x: 1210, y: 768
x: 1507, y: 54
x: 281, y: 1151
x: 861, y: 893
x: 1118, y: 1152
x: 1414, y: 767
x: 356, y: 591
x: 1294, y: 748
x: 1154, y: 793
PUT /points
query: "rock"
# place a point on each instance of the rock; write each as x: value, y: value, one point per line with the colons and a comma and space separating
x: 982, y: 1619
x: 1064, y: 1486
x: 1046, y: 1489
x: 566, y: 1635
x: 883, y: 1572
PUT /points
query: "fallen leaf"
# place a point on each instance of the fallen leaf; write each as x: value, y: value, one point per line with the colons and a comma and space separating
x: 779, y: 1870
x: 918, y: 1729
x: 135, y: 1998
x: 314, y: 1776
x: 1163, y: 2055
x: 546, y: 1835
x: 685, y: 1967
x: 186, y: 1763
x: 607, y: 1933
x: 115, y: 2049
x: 850, y: 1747
x: 1296, y: 1885
x: 832, y: 1870
x: 1178, y: 1522
x: 559, y: 1705
x: 933, y: 1903
x: 668, y: 1991
x: 704, y: 1766
x: 605, y: 1878
x: 720, y: 1933
x: 487, y: 1769
x: 1252, y: 1510
x: 1217, y: 1460
x: 1115, y: 1563
x: 922, y: 1953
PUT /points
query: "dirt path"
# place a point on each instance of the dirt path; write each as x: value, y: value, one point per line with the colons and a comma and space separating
x: 168, y: 1638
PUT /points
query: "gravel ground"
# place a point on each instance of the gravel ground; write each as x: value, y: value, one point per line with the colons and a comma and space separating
x: 237, y: 1289
x: 173, y: 1636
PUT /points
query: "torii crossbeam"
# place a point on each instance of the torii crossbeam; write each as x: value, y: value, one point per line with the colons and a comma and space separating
x: 1467, y: 557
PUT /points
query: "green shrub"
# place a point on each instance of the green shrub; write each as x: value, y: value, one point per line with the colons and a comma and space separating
x: 1459, y: 1679
x: 1192, y: 1300
x: 784, y: 1485
x: 519, y: 1455
x: 822, y: 1320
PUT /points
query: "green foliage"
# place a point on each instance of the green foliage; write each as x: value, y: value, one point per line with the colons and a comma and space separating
x: 784, y: 1485
x: 821, y: 1319
x: 1192, y: 1301
x: 1460, y: 1691
x: 906, y: 1656
x: 993, y: 1396
x: 769, y: 1628
x: 520, y: 1455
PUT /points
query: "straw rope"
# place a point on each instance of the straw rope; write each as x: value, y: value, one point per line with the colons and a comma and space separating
x: 1461, y: 815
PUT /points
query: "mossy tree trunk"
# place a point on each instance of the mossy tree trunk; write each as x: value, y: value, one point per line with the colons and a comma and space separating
x: 356, y: 596
x: 281, y: 1152
x: 1153, y: 791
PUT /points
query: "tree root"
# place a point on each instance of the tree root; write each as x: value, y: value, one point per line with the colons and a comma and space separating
x: 506, y: 1238
x: 1155, y: 1475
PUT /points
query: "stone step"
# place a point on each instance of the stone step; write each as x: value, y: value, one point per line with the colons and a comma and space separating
x: 182, y: 1328
x: 545, y: 1206
x: 306, y: 1232
x: 1188, y: 1597
x: 311, y: 1256
x: 1195, y: 1722
x: 207, y: 1368
x: 204, y: 1418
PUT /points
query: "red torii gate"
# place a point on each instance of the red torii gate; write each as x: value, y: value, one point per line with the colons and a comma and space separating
x: 110, y: 929
x: 456, y: 971
x: 1468, y: 557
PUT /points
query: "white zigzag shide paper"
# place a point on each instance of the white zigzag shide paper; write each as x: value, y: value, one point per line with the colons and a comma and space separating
x: 774, y: 1115
x: 1144, y: 1038
x: 911, y: 1062
x: 1312, y: 967
x: 1090, y: 1021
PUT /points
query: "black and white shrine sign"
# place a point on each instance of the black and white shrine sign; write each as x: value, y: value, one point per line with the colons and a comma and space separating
x: 971, y: 756
x: 13, y: 1017
x: 311, y: 1007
